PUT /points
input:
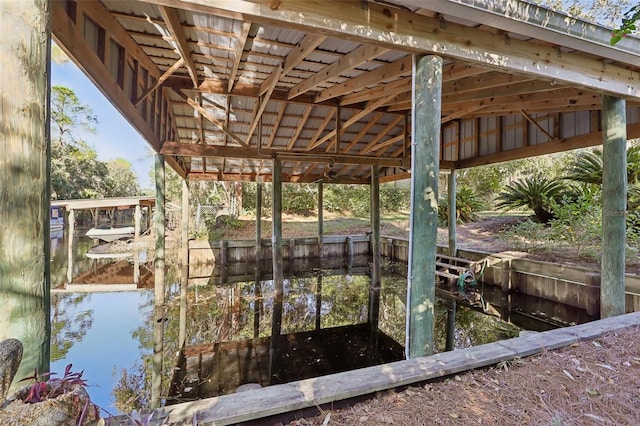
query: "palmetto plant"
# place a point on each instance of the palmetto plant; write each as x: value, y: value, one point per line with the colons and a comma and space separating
x: 533, y: 192
x: 587, y: 167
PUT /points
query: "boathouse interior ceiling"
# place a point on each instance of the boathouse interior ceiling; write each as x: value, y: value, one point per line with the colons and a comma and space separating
x: 223, y: 87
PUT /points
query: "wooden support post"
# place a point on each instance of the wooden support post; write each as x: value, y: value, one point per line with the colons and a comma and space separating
x: 224, y: 253
x: 451, y: 325
x: 136, y: 223
x: 70, y: 238
x: 257, y: 304
x: 156, y: 361
x: 320, y: 217
x: 159, y: 266
x: 258, y: 254
x: 96, y: 217
x: 614, y: 206
x: 276, y: 220
x: 184, y: 268
x: 318, y: 301
x: 25, y: 181
x: 505, y: 278
x: 184, y: 235
x: 452, y: 219
x: 594, y: 281
x: 292, y: 252
x: 350, y: 247
x: 278, y: 273
x: 375, y: 226
x: 425, y: 157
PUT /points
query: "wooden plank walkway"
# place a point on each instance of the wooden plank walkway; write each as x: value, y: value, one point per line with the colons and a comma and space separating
x: 277, y: 399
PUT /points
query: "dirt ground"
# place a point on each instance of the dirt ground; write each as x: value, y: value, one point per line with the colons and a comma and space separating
x: 591, y: 383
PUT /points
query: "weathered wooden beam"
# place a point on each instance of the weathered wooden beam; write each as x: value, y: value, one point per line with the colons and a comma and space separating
x: 371, y: 145
x: 349, y: 61
x: 237, y: 57
x: 170, y: 17
x: 323, y: 125
x: 427, y: 72
x: 168, y: 73
x: 354, y: 118
x: 389, y: 27
x: 220, y: 125
x: 374, y: 119
x: 535, y: 123
x: 614, y: 206
x: 375, y: 77
x: 300, y: 128
x: 203, y: 150
x: 301, y: 51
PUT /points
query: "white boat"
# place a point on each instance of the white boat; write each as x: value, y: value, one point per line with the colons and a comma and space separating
x: 110, y: 233
x: 107, y: 251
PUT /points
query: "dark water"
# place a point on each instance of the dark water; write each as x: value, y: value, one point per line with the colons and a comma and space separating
x: 326, y: 317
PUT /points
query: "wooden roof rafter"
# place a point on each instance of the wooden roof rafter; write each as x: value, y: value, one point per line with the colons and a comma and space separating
x: 174, y: 26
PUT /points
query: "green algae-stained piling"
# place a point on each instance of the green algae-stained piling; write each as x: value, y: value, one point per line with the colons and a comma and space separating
x: 375, y: 225
x: 258, y: 221
x: 158, y: 229
x: 24, y: 180
x: 614, y: 205
x: 425, y: 154
x: 452, y: 209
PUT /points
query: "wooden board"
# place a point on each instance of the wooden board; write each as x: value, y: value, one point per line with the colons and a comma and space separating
x: 260, y: 403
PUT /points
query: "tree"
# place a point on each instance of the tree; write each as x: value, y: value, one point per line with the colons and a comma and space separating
x: 535, y: 193
x: 121, y: 179
x: 76, y: 171
x: 628, y: 25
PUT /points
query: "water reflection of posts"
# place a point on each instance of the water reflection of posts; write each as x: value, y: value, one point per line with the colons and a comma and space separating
x: 318, y: 301
x: 276, y: 330
x: 156, y: 362
x: 257, y: 304
x: 182, y: 333
x: 374, y: 317
x: 72, y: 225
x: 278, y: 273
x: 451, y: 325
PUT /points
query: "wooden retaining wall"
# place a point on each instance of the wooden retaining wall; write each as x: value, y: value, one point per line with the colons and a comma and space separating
x: 571, y: 285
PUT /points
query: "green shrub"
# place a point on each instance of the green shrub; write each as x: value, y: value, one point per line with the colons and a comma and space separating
x: 468, y: 204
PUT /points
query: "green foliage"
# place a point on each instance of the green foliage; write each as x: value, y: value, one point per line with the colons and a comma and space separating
x: 394, y: 198
x: 578, y: 221
x: 351, y: 198
x: 76, y: 171
x: 468, y: 204
x: 534, y: 193
x: 299, y: 198
x: 628, y: 25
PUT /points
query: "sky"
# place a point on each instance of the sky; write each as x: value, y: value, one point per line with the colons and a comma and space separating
x: 114, y: 137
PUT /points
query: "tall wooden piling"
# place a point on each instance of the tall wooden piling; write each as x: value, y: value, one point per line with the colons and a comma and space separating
x: 453, y: 210
x: 159, y: 266
x: 258, y: 254
x: 25, y: 179
x: 320, y: 217
x: 425, y: 157
x: 375, y: 226
x: 614, y: 206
